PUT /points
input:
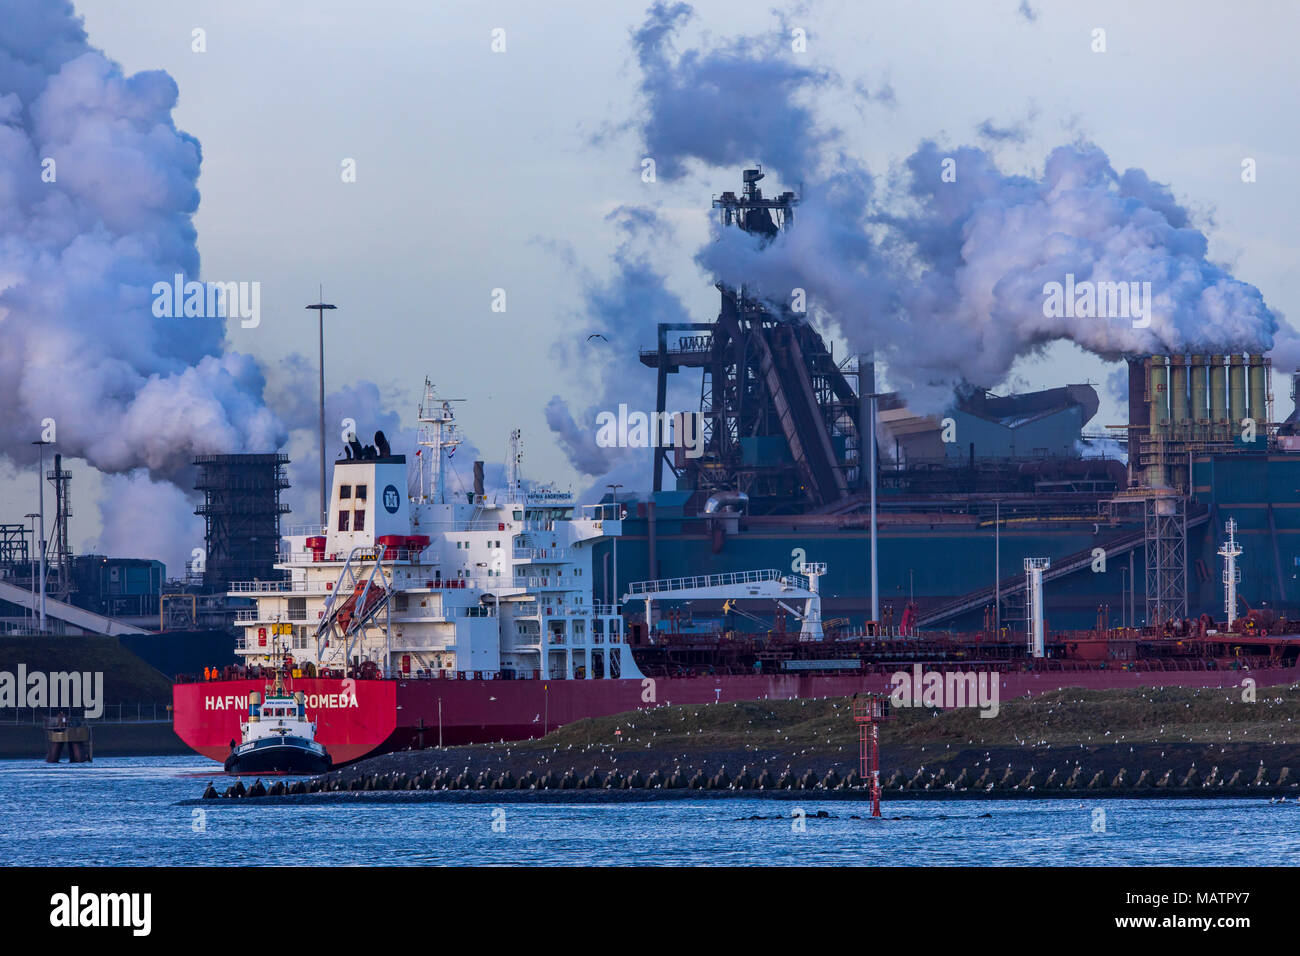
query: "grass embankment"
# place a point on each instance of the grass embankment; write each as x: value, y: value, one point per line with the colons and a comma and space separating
x: 1068, y: 717
x: 1176, y: 734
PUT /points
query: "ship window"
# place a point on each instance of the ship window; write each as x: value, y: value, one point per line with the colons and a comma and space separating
x: 359, y: 523
x: 345, y: 491
x: 343, y: 520
x: 361, y: 492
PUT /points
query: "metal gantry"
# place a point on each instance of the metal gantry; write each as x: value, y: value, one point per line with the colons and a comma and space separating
x: 1165, y: 522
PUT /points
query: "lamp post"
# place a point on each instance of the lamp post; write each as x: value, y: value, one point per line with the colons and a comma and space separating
x: 614, y: 491
x: 997, y: 567
x: 32, y: 516
x: 870, y: 438
x: 1123, y: 597
x: 320, y: 306
x: 40, y: 485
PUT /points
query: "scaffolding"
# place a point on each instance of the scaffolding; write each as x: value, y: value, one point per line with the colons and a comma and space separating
x: 242, y: 509
x: 1165, y: 521
x: 13, y: 545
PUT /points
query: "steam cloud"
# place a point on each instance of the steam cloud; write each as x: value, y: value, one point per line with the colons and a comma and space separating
x: 620, y: 314
x: 944, y: 281
x: 79, y: 256
x: 97, y: 196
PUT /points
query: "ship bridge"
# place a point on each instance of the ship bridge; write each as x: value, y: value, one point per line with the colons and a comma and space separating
x: 770, y: 584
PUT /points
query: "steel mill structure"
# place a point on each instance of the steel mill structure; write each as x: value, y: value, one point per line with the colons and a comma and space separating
x: 1130, y: 514
x: 242, y: 508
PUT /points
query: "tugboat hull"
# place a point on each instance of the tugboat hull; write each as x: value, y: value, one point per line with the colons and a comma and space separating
x: 281, y: 757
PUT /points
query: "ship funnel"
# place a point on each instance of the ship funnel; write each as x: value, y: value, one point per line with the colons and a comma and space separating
x: 1034, y: 568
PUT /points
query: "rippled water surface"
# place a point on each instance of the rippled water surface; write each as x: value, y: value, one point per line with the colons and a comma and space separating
x: 122, y: 812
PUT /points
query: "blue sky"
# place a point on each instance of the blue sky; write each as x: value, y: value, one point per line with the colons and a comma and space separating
x: 477, y: 170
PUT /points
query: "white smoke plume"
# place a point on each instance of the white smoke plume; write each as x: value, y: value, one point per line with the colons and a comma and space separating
x: 620, y: 314
x: 943, y: 279
x: 97, y: 196
x: 99, y: 191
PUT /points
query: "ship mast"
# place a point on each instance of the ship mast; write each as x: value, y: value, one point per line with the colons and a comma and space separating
x: 437, y: 431
x: 1230, y: 551
x: 512, y: 467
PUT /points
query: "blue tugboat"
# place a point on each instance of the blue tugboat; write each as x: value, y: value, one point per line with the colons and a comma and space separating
x: 277, y: 737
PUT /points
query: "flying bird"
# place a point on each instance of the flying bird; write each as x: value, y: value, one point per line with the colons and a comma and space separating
x: 597, y: 335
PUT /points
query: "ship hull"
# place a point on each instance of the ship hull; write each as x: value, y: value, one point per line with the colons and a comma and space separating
x: 282, y: 758
x: 352, y: 717
x: 387, y: 715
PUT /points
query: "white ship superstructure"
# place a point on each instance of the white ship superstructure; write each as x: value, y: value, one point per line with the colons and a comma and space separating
x: 428, y: 584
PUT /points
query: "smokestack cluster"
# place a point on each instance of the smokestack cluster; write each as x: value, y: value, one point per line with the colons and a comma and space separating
x: 1185, y: 400
x: 1200, y: 398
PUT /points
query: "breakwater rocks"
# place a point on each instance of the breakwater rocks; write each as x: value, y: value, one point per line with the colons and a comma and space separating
x: 966, y: 783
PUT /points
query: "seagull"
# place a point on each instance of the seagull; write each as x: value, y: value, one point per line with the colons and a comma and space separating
x: 597, y: 335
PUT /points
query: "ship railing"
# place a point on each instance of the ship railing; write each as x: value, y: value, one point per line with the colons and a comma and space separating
x: 307, y: 556
x: 542, y: 582
x: 413, y: 614
x: 543, y: 554
x: 557, y: 610
x: 605, y: 610
x: 120, y: 713
x: 479, y: 524
x: 716, y: 580
x: 304, y: 530
x: 505, y: 673
x: 271, y: 587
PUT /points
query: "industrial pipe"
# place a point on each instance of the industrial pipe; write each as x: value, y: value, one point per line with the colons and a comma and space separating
x: 1236, y: 394
x: 1218, y: 399
x: 1198, y: 414
x: 1158, y: 395
x: 1258, y: 391
x: 1178, y: 397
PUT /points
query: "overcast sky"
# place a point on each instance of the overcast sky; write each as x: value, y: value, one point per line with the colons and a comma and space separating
x: 476, y: 170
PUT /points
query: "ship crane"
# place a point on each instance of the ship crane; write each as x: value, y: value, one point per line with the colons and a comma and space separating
x: 742, y: 585
x: 345, y: 618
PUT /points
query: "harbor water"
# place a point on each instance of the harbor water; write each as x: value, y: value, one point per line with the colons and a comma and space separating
x: 125, y: 812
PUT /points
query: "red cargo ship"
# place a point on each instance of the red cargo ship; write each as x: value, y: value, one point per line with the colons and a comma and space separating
x: 361, y: 716
x: 413, y: 621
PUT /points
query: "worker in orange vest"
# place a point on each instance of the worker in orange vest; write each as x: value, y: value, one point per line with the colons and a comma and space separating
x: 207, y: 675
